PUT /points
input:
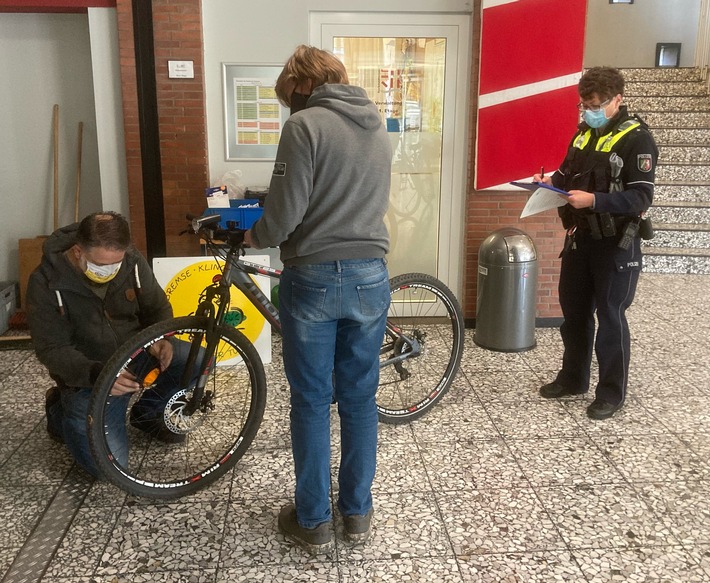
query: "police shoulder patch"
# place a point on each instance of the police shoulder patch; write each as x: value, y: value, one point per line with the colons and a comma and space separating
x: 280, y: 169
x: 645, y: 162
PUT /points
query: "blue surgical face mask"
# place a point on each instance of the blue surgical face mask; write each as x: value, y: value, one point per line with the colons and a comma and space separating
x: 595, y: 119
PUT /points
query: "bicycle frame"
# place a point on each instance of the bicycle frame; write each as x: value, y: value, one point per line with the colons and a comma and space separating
x: 237, y: 272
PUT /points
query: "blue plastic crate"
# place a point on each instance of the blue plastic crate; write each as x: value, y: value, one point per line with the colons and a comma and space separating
x: 242, y: 212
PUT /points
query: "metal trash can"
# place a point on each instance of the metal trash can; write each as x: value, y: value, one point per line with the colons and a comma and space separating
x: 507, y: 288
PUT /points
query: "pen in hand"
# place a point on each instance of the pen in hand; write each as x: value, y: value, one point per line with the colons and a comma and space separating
x: 542, y: 174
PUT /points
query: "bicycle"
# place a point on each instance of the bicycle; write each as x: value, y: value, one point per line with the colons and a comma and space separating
x: 215, y: 413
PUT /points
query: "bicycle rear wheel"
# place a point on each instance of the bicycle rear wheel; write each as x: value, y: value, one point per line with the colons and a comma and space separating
x: 191, y: 449
x: 422, y: 349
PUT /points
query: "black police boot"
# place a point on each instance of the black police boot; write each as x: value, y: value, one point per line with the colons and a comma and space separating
x: 555, y: 391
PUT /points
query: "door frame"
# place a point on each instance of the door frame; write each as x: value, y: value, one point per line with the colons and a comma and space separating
x: 456, y: 28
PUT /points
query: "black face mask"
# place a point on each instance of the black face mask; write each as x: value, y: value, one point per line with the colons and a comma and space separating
x: 298, y: 102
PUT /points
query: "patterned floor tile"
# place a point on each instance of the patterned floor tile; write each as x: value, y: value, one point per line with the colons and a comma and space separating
x: 82, y: 546
x: 541, y: 567
x: 505, y: 385
x: 604, y: 516
x: 684, y: 507
x: 7, y: 556
x: 264, y: 473
x: 563, y: 462
x: 311, y: 572
x: 406, y: 525
x: 689, y: 413
x: 20, y: 509
x: 471, y: 465
x: 640, y: 565
x: 632, y: 419
x: 543, y: 418
x: 441, y: 570
x: 251, y: 537
x: 451, y: 421
x: 497, y: 521
x: 653, y: 458
x: 171, y: 537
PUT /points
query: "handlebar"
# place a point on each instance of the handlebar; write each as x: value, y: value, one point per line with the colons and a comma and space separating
x: 208, y: 227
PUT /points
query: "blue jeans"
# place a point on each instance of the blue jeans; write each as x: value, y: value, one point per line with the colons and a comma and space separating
x: 69, y: 417
x: 333, y: 318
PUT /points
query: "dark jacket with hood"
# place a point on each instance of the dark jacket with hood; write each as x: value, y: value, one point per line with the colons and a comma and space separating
x: 73, y: 329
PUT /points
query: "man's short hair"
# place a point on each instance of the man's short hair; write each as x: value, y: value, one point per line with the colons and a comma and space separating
x: 606, y: 82
x: 309, y: 64
x: 105, y: 229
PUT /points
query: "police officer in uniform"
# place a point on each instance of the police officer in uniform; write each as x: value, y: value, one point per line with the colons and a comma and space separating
x: 609, y: 173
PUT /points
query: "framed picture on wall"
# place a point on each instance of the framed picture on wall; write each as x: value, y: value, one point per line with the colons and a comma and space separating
x: 253, y: 116
x: 621, y: 1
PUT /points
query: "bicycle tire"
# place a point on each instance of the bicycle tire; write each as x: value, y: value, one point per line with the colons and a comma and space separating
x: 424, y: 309
x: 215, y: 436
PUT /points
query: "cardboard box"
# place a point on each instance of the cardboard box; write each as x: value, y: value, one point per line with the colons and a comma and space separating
x: 30, y: 257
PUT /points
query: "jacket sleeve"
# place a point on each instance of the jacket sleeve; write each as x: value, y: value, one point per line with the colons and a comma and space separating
x: 52, y: 337
x: 290, y: 188
x: 154, y: 304
x: 640, y: 156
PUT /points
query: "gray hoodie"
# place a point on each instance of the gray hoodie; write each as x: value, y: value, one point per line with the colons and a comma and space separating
x: 330, y: 185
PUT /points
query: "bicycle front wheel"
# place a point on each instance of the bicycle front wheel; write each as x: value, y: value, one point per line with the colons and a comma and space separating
x: 422, y: 349
x: 160, y: 442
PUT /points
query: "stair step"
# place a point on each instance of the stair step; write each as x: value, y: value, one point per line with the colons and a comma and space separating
x: 697, y: 174
x: 687, y: 238
x: 684, y: 154
x: 691, y: 74
x: 664, y: 89
x: 683, y: 261
x: 675, y: 104
x: 686, y: 215
x: 672, y: 120
x: 681, y: 193
x: 678, y: 136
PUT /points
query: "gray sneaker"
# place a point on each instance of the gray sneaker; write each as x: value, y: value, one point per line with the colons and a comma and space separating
x: 313, y: 540
x: 357, y: 527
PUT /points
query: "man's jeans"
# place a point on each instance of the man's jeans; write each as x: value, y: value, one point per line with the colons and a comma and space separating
x: 333, y: 317
x: 69, y: 418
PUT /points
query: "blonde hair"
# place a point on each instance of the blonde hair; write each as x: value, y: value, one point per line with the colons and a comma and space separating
x: 309, y: 64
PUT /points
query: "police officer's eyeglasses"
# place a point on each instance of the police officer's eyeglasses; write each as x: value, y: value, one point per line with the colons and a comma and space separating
x: 582, y: 107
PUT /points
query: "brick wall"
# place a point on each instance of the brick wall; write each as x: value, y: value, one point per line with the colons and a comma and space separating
x: 182, y: 118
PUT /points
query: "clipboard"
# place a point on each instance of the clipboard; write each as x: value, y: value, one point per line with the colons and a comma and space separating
x: 535, y: 185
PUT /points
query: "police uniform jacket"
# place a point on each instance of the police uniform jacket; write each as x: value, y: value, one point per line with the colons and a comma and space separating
x: 616, y: 162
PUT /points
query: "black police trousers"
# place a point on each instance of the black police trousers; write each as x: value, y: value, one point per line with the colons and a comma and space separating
x: 597, y: 275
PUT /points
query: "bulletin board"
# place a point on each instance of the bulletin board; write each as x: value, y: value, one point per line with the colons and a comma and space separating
x: 253, y: 116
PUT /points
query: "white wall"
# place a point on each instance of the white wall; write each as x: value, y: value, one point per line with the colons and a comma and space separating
x: 45, y: 59
x: 267, y: 32
x: 625, y: 35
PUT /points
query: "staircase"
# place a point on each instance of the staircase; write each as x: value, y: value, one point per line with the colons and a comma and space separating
x: 676, y: 106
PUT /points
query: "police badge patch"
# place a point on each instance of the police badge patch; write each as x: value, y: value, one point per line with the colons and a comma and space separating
x: 280, y: 169
x: 645, y: 162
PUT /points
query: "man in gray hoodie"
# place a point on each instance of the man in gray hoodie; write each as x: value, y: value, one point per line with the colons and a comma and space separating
x: 326, y: 205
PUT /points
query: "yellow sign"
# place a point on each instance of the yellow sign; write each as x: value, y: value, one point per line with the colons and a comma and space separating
x: 184, y: 279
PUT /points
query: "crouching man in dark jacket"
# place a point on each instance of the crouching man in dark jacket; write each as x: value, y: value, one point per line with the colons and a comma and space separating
x: 91, y: 292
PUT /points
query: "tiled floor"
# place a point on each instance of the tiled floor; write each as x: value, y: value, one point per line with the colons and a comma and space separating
x: 494, y: 485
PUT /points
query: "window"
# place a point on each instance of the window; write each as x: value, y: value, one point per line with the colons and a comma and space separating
x: 668, y: 54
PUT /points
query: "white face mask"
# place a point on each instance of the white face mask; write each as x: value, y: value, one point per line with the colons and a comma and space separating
x: 101, y: 273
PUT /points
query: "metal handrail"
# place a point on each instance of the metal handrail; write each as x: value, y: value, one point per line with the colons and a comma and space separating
x: 702, y: 46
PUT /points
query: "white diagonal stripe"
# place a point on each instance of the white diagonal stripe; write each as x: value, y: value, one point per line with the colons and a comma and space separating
x: 498, y: 97
x: 492, y: 3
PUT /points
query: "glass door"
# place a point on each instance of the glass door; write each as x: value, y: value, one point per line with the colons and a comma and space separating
x: 404, y: 76
x: 410, y: 67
